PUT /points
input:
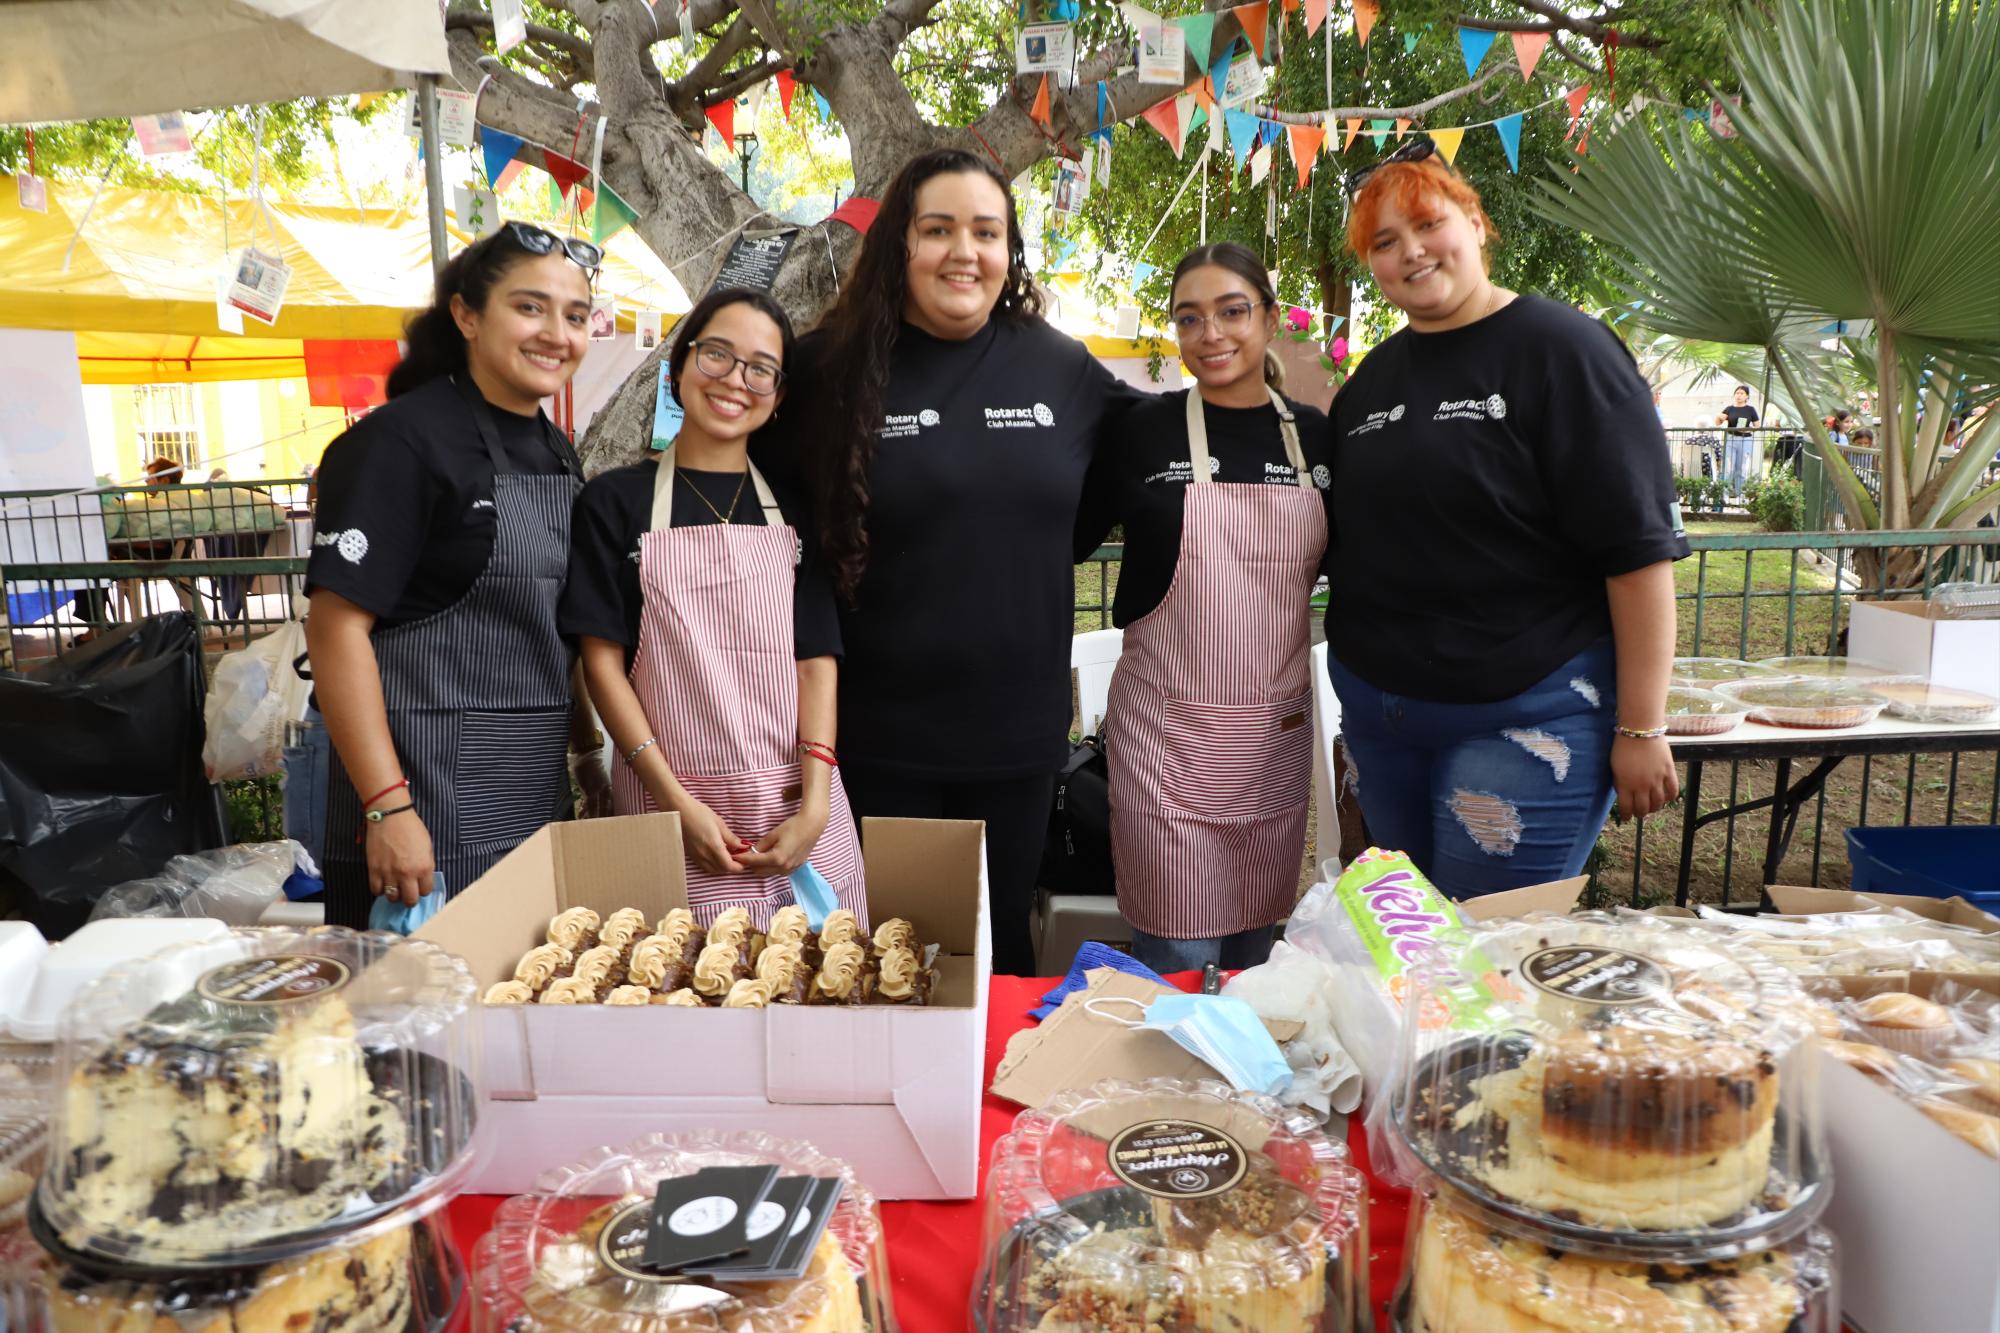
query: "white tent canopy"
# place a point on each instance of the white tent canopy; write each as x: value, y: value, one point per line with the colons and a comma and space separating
x: 86, y: 59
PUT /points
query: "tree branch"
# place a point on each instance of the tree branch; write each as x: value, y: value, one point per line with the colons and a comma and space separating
x: 899, y: 18
x: 576, y: 48
x: 1414, y: 111
x: 732, y: 43
x: 1573, y: 58
x: 1597, y: 27
x: 743, y: 80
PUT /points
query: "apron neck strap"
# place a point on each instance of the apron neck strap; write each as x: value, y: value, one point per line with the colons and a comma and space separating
x: 489, y: 433
x: 663, y: 494
x: 1288, y: 430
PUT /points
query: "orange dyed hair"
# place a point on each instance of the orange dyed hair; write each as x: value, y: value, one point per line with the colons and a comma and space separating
x: 1415, y: 189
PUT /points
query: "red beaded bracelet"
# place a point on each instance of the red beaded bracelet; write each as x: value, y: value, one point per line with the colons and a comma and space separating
x: 823, y: 753
x: 399, y: 782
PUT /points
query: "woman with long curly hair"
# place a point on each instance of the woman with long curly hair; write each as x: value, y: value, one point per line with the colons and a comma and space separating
x: 945, y: 429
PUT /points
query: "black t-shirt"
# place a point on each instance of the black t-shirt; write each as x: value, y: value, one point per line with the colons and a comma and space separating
x: 615, y: 509
x: 1487, y: 480
x: 1739, y: 416
x: 405, y: 519
x: 1141, y: 475
x: 957, y: 662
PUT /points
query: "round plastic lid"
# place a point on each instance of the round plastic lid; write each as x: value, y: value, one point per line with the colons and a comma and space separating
x: 1705, y: 671
x: 1186, y: 1203
x: 238, y: 1101
x: 1918, y: 699
x: 1806, y: 703
x: 1625, y: 1087
x: 565, y: 1258
x: 1828, y: 668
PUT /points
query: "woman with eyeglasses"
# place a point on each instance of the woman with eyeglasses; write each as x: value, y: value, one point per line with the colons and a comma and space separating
x: 1501, y: 624
x: 709, y: 635
x: 1208, y: 728
x: 442, y: 537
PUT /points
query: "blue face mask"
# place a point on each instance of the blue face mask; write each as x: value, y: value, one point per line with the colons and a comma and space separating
x: 1221, y: 1030
x: 389, y: 913
x: 813, y: 893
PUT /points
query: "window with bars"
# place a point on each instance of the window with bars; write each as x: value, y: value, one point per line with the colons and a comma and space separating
x: 169, y: 425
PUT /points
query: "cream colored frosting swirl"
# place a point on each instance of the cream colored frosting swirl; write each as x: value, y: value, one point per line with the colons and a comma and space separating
x: 569, y: 990
x: 840, y: 970
x: 732, y: 927
x: 649, y: 962
x: 789, y: 926
x: 779, y: 963
x: 627, y: 915
x: 540, y: 964
x: 509, y: 992
x: 674, y: 938
x: 715, y: 970
x: 629, y: 995
x: 677, y: 918
x: 750, y: 993
x: 620, y: 934
x: 683, y: 997
x: 571, y: 928
x: 597, y: 965
x: 896, y: 933
x: 899, y: 973
x: 841, y: 928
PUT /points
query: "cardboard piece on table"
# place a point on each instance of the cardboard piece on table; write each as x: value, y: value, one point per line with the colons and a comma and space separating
x: 1075, y: 1046
x: 1558, y: 896
x: 1797, y: 901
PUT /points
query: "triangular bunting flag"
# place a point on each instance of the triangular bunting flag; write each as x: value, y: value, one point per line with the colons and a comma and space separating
x: 1201, y: 94
x: 1141, y: 272
x: 1474, y: 44
x: 499, y: 150
x: 1039, y: 112
x: 1185, y: 112
x: 1200, y: 29
x: 1365, y: 14
x: 1315, y: 15
x: 1353, y: 128
x: 1510, y: 139
x: 1164, y: 119
x: 1218, y: 73
x: 1305, y: 141
x: 1575, y: 97
x: 787, y: 85
x: 1268, y: 131
x: 507, y: 175
x: 1242, y: 133
x: 555, y: 196
x: 1528, y: 47
x: 723, y: 116
x: 1402, y: 126
x: 584, y: 199
x: 1409, y: 42
x: 1447, y: 142
x: 1378, y: 130
x: 1254, y: 19
x: 566, y: 172
x: 1196, y: 119
x: 1333, y: 324
x: 825, y: 107
x: 1260, y: 165
x: 613, y: 216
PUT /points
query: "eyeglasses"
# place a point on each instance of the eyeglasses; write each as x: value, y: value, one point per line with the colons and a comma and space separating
x: 537, y: 241
x: 716, y: 361
x: 1231, y: 321
x: 1414, y: 150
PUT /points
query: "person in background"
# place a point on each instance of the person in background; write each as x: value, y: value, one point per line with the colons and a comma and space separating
x: 1740, y: 456
x: 441, y: 544
x: 1659, y: 406
x: 691, y: 603
x: 1501, y: 618
x: 1208, y: 735
x: 945, y: 429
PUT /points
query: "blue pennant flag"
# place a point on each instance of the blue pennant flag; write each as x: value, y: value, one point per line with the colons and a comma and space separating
x: 1510, y: 139
x: 825, y: 107
x: 1218, y: 73
x: 1243, y: 133
x: 1475, y: 45
x: 499, y: 149
x: 1141, y: 272
x: 1334, y: 327
x: 1063, y: 253
x: 1269, y: 131
x: 1103, y: 101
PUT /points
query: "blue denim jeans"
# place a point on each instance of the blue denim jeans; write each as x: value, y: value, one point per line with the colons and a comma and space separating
x: 307, y: 768
x: 1485, y: 797
x: 1741, y: 452
x: 1246, y: 948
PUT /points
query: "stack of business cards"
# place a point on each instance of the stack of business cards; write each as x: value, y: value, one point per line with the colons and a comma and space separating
x: 739, y: 1223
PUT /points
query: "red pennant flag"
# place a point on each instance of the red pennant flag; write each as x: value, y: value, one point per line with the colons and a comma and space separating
x: 1315, y: 15
x: 1254, y: 19
x: 1353, y: 128
x: 787, y: 85
x: 1305, y: 147
x: 1164, y: 118
x: 857, y: 212
x: 349, y: 373
x: 1365, y: 14
x: 1528, y: 47
x: 1611, y: 64
x: 1575, y: 97
x: 723, y: 116
x: 1292, y: 5
x: 507, y: 175
x: 1039, y: 112
x: 566, y: 172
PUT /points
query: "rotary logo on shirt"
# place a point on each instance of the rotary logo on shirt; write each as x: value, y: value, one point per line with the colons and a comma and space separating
x: 1181, y: 471
x: 1375, y: 421
x: 1492, y: 407
x: 1019, y: 418
x: 900, y: 425
x: 352, y: 544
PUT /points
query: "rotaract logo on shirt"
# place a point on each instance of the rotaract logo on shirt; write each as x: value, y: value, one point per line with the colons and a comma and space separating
x: 1321, y: 477
x: 1019, y: 418
x: 352, y: 544
x: 1375, y: 421
x: 1493, y: 407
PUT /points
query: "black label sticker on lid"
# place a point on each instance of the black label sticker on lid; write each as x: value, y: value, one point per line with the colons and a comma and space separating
x: 279, y: 979
x: 1177, y: 1159
x: 1594, y: 974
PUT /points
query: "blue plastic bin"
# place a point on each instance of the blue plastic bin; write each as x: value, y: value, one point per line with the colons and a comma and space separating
x: 1962, y: 860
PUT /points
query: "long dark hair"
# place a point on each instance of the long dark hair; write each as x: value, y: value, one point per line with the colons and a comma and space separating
x: 861, y: 345
x: 435, y: 346
x: 1244, y: 263
x: 695, y: 322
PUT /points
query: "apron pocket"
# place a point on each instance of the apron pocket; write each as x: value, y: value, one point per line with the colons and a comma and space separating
x: 1236, y: 761
x: 510, y: 775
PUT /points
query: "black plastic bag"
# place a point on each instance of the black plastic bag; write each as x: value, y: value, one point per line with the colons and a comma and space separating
x: 1076, y: 858
x: 100, y: 768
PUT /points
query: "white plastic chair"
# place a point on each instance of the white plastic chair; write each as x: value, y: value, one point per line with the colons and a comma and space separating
x: 1064, y: 921
x: 1326, y: 733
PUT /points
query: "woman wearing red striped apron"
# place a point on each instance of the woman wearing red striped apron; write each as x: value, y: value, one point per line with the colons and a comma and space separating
x: 1208, y: 732
x: 709, y: 649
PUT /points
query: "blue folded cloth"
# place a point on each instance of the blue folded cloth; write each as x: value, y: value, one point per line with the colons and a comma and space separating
x: 389, y: 913
x: 1092, y: 955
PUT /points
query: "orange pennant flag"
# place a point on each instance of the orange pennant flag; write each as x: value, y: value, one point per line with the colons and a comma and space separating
x: 1305, y: 147
x: 1353, y: 128
x: 1365, y: 14
x: 1166, y: 119
x: 723, y: 116
x: 1402, y: 126
x: 1292, y: 5
x: 1315, y: 15
x: 1575, y: 97
x: 1447, y: 142
x: 1254, y: 19
x: 1528, y: 48
x: 1201, y: 94
x: 1039, y: 112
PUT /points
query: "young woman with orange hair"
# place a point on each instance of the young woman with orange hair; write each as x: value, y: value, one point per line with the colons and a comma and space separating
x: 1504, y: 525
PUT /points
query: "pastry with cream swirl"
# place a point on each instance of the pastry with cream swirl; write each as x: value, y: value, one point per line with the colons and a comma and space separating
x: 720, y: 966
x: 601, y: 967
x: 543, y: 964
x: 575, y: 929
x: 750, y: 993
x: 838, y: 980
x: 569, y: 990
x: 623, y: 995
x: 682, y: 998
x: 657, y: 965
x: 785, y: 967
x: 509, y: 992
x: 900, y: 979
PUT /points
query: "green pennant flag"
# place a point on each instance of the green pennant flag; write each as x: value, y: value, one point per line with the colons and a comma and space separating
x: 1409, y: 42
x: 1200, y: 30
x: 611, y: 216
x: 556, y: 204
x: 1378, y: 129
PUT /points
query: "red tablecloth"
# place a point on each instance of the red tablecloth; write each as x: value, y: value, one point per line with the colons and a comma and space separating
x: 934, y: 1248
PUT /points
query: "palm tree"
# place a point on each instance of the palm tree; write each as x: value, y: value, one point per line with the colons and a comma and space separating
x: 1862, y: 184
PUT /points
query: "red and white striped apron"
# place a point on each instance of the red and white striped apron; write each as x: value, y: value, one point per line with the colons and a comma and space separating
x: 717, y: 677
x: 1208, y: 728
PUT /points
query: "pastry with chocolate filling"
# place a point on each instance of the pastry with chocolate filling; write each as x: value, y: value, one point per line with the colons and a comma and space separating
x: 784, y: 966
x: 838, y: 980
x: 657, y: 965
x: 750, y: 993
x: 720, y: 966
x: 600, y: 968
x: 789, y: 925
x: 543, y: 964
x: 629, y: 995
x: 569, y: 990
x: 575, y: 929
x: 623, y: 929
x: 510, y: 992
x: 901, y: 978
x: 686, y: 933
x: 682, y: 998
x: 842, y: 927
x: 733, y: 927
x: 895, y: 933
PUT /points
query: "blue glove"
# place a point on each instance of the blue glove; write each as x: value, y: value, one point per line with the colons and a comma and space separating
x: 388, y: 913
x: 1091, y: 955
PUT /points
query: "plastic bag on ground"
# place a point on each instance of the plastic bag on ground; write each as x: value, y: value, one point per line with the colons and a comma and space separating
x: 254, y: 694
x: 232, y: 884
x: 1297, y: 986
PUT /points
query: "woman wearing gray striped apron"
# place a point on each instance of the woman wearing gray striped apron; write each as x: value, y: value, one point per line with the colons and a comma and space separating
x: 710, y: 644
x: 1208, y: 728
x: 442, y: 542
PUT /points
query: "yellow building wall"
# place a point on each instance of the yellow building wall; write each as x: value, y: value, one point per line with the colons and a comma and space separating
x: 293, y: 433
x: 296, y: 432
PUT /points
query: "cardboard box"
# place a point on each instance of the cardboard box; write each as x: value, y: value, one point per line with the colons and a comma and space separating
x: 1558, y: 896
x: 1916, y: 1211
x: 1793, y: 901
x: 893, y: 1091
x: 1905, y: 635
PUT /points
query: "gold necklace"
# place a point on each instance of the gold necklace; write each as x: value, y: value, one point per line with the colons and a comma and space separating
x: 734, y: 500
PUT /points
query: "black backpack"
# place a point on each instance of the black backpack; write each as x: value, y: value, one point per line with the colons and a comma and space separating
x: 1076, y: 857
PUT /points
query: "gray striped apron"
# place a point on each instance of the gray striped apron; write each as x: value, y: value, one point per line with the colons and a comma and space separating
x: 478, y: 695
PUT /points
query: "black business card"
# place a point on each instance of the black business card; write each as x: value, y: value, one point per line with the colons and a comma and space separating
x: 770, y: 1225
x: 795, y: 1256
x: 703, y: 1218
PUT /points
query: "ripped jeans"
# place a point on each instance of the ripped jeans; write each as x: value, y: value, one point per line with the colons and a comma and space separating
x: 1485, y: 797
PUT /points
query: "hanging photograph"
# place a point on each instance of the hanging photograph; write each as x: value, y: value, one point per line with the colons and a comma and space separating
x: 1045, y: 48
x: 162, y: 135
x: 603, y: 319
x: 1162, y: 53
x: 1246, y: 82
x: 646, y: 330
x: 33, y: 192
x: 259, y: 287
x: 1072, y: 187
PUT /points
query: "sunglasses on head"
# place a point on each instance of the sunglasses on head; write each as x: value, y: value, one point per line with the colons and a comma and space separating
x: 537, y: 241
x: 1415, y: 149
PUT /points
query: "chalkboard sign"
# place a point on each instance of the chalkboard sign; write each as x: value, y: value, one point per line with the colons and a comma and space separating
x: 753, y: 262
